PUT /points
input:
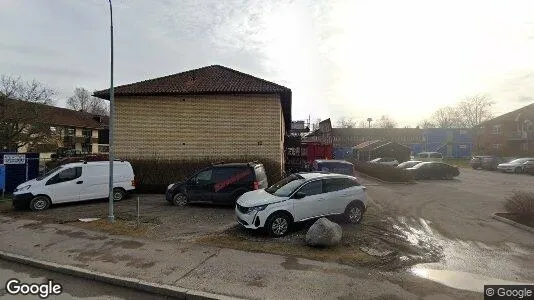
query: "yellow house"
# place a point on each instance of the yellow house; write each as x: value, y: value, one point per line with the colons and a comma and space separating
x: 211, y: 112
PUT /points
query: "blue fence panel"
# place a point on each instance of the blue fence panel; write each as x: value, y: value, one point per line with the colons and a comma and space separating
x: 20, y: 167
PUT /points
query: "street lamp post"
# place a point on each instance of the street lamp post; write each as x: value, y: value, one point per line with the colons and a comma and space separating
x: 111, y: 217
x: 369, y: 120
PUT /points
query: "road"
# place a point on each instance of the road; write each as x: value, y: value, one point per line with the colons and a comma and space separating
x: 456, y: 215
x: 73, y: 287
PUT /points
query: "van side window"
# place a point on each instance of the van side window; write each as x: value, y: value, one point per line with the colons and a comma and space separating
x: 66, y: 175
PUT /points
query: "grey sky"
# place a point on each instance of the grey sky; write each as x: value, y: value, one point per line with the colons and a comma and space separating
x: 341, y: 58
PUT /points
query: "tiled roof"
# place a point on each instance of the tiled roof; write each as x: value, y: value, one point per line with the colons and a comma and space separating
x: 511, y: 116
x: 60, y: 116
x: 213, y: 79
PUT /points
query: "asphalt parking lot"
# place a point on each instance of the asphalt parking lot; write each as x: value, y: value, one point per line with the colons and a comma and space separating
x: 460, y: 208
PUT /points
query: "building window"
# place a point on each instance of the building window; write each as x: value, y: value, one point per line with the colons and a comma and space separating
x: 496, y: 146
x: 524, y: 147
x: 87, y: 146
x: 463, y: 132
x: 463, y: 146
x: 496, y: 129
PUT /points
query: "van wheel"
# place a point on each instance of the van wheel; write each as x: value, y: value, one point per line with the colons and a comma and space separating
x: 118, y: 194
x: 179, y: 199
x: 354, y: 213
x: 278, y: 224
x: 40, y: 203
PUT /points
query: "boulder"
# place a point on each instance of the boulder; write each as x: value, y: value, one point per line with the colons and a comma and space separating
x: 324, y: 233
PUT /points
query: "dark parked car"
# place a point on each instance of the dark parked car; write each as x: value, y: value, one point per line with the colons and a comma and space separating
x: 528, y: 167
x: 409, y: 164
x: 490, y: 163
x: 476, y: 162
x: 218, y: 184
x: 434, y: 170
x: 334, y: 166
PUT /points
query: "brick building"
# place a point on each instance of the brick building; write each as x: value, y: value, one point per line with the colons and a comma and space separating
x: 511, y: 134
x: 69, y: 129
x: 210, y: 112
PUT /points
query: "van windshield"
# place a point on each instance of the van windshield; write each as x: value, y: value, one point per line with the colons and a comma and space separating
x: 46, y: 174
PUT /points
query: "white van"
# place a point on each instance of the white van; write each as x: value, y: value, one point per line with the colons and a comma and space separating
x: 429, y: 156
x: 75, y: 182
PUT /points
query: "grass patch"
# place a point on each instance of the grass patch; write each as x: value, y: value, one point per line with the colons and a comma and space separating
x: 119, y: 227
x: 350, y: 255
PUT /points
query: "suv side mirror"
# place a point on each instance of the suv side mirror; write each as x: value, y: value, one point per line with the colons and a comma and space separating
x: 299, y: 195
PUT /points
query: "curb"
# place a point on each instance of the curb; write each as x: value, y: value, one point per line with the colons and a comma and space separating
x: 513, y: 223
x: 145, y: 286
x: 384, y: 181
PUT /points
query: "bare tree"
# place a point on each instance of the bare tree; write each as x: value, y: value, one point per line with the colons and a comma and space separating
x: 21, y: 122
x: 447, y: 117
x: 426, y: 124
x: 475, y: 110
x: 386, y: 122
x: 346, y: 123
x: 315, y: 125
x: 82, y: 100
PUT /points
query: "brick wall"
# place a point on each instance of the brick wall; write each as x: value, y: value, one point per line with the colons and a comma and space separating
x: 179, y: 127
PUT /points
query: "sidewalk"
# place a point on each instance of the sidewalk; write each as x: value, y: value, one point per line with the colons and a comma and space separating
x: 223, y: 272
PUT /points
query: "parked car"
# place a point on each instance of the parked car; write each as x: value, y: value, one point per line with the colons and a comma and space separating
x: 218, y: 184
x: 433, y: 170
x: 528, y: 167
x: 515, y: 166
x: 409, y: 164
x: 334, y: 166
x: 300, y: 197
x: 75, y: 182
x: 476, y: 162
x: 429, y: 156
x: 490, y: 163
x: 389, y: 161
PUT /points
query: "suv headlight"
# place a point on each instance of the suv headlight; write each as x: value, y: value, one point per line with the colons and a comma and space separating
x: 257, y: 208
x: 23, y: 188
x: 170, y: 186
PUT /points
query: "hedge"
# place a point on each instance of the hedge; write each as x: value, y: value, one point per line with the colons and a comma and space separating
x: 154, y: 175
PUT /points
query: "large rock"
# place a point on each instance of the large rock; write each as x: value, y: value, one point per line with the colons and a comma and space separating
x: 324, y: 233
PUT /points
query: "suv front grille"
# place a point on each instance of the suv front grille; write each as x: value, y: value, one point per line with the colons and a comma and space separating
x: 242, y: 209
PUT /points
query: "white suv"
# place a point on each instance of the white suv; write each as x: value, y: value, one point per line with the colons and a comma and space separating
x: 301, y: 197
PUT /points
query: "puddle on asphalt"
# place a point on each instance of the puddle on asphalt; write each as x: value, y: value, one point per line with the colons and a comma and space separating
x: 461, y: 280
x: 434, y: 256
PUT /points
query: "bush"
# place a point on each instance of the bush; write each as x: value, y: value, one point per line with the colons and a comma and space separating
x: 520, y: 203
x: 154, y: 175
x: 383, y: 172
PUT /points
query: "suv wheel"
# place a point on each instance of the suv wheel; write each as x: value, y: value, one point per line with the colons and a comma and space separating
x: 354, y: 213
x: 278, y: 224
x: 179, y: 199
x: 40, y: 203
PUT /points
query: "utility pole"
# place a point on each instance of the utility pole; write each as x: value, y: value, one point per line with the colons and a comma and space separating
x: 111, y: 217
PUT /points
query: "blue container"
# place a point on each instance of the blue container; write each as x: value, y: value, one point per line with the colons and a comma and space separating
x: 20, y: 167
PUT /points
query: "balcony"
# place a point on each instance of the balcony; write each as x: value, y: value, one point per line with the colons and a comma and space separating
x: 521, y: 136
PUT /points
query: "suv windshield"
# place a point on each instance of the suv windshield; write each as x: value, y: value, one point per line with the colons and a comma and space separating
x: 286, y: 186
x: 46, y: 174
